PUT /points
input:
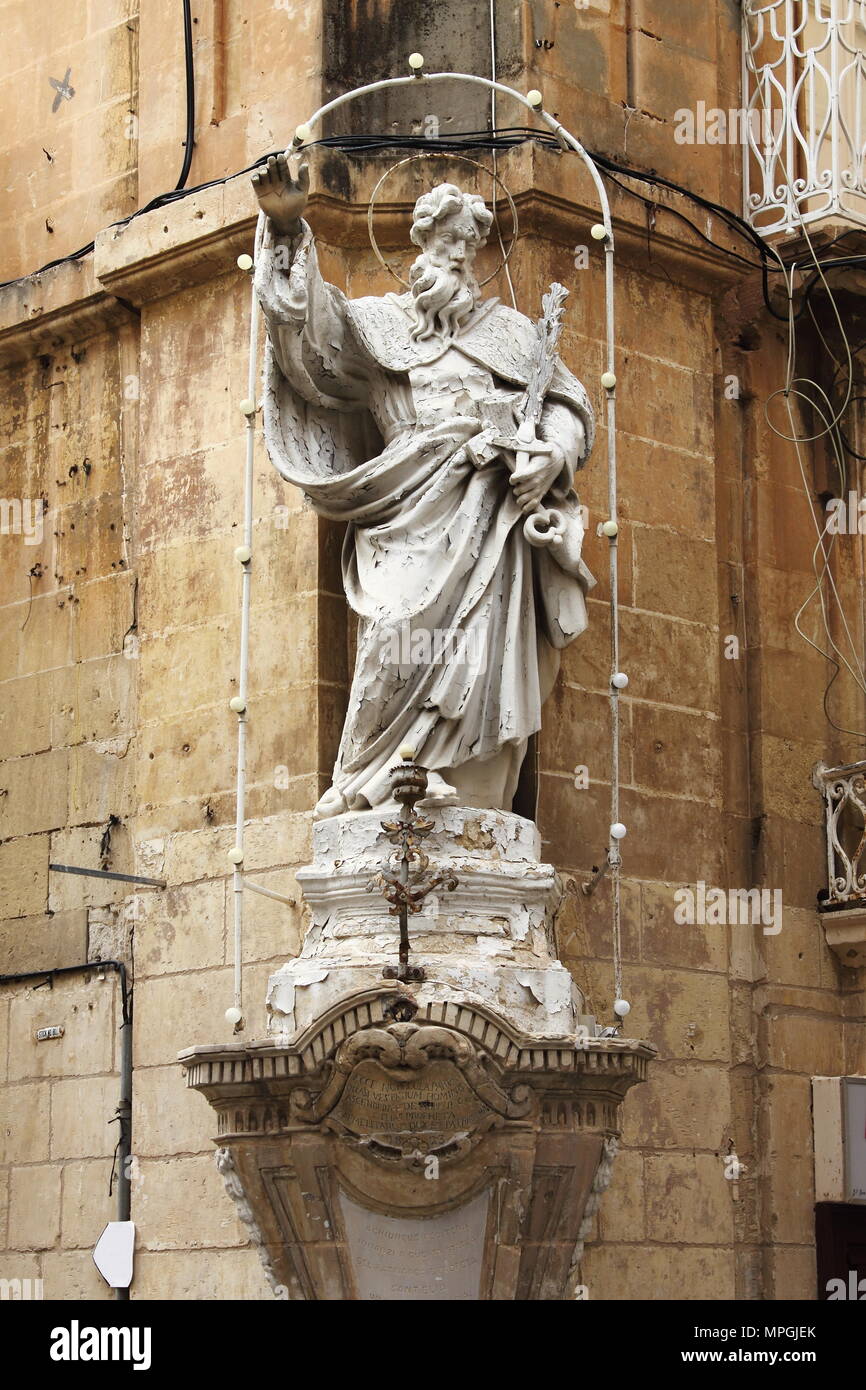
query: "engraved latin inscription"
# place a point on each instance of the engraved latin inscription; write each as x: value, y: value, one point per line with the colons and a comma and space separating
x: 435, y: 1100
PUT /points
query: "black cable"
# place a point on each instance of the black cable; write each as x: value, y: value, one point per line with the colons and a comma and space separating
x: 352, y: 144
x: 503, y: 138
x: 61, y: 260
x: 732, y: 219
x: 753, y: 265
x: 47, y: 976
x: 189, y: 143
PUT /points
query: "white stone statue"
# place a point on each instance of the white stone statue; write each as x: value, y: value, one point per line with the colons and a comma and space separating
x: 398, y: 415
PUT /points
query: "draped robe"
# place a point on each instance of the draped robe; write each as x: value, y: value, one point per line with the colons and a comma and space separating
x: 372, y: 426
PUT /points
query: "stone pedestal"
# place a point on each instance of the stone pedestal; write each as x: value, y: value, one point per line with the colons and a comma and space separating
x: 489, y: 940
x: 447, y: 1137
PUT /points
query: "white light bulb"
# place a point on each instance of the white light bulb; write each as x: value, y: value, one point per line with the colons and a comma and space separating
x: 245, y: 262
x: 618, y: 830
x: 233, y: 1016
x: 416, y: 61
x: 621, y: 1007
x: 407, y: 752
x: 598, y: 232
x: 243, y: 554
x: 609, y: 529
x: 619, y: 681
x: 238, y: 704
x: 235, y: 856
x: 608, y: 380
x: 248, y: 407
x: 534, y: 98
x: 302, y: 133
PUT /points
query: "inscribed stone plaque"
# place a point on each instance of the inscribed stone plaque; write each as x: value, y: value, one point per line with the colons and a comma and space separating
x: 398, y: 1259
x: 402, y: 1106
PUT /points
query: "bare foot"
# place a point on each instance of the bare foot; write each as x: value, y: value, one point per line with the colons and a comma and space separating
x: 439, y: 792
x: 333, y: 803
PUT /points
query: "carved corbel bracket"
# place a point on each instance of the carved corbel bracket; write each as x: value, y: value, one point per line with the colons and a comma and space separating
x: 474, y: 1152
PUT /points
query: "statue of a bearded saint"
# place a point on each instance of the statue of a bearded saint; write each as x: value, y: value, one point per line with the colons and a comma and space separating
x: 381, y: 410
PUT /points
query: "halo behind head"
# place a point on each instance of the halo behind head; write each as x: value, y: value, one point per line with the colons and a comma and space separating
x: 473, y: 197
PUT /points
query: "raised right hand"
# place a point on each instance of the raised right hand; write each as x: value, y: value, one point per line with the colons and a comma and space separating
x: 282, y: 197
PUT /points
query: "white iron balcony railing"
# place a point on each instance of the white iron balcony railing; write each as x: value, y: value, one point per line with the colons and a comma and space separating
x: 844, y: 792
x: 804, y: 85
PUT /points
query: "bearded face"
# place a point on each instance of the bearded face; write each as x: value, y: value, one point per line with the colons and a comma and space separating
x: 442, y: 280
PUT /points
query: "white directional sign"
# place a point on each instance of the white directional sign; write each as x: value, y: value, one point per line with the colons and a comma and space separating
x: 113, y: 1253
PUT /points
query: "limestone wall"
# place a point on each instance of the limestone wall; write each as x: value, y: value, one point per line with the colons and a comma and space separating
x: 122, y: 377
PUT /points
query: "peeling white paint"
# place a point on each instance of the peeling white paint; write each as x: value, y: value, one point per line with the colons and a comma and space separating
x: 485, y: 942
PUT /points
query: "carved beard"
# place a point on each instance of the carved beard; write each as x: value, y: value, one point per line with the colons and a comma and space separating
x: 443, y: 298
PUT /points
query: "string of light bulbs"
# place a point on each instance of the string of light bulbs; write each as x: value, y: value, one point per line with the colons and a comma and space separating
x: 601, y: 232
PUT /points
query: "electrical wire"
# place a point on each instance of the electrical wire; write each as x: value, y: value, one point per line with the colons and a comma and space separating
x: 189, y: 70
x: 499, y: 140
x: 793, y: 388
x: 505, y: 264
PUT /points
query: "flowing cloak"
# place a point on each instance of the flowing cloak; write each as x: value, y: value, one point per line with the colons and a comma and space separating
x: 434, y: 545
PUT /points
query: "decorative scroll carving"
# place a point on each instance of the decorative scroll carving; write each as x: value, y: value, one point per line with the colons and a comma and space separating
x: 367, y: 1106
x: 600, y: 1184
x: 234, y: 1187
x: 411, y: 1048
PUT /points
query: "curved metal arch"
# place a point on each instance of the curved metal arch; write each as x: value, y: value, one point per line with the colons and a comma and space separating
x: 550, y: 121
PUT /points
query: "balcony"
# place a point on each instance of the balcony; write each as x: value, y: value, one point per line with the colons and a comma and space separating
x: 843, y: 902
x: 805, y: 96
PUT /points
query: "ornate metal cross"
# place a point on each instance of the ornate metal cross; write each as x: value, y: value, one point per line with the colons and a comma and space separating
x: 409, y: 884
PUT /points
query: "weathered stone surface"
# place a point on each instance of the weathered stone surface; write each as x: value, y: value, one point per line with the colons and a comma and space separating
x: 622, y: 1216
x: 683, y: 1105
x: 34, y: 1195
x: 45, y: 942
x: 180, y: 929
x: 205, y: 1275
x: 165, y: 1118
x: 166, y: 1191
x: 72, y: 1275
x: 81, y: 1117
x: 688, y: 1199
x: 204, y: 995
x: 658, y: 1273
x: 86, y: 1012
x: 34, y: 797
x: 25, y: 1132
x: 86, y: 1203
x: 485, y: 937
